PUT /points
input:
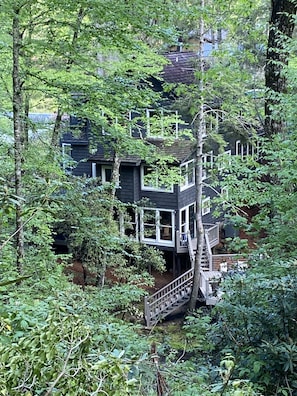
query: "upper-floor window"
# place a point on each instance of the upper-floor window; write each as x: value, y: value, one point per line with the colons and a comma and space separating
x: 157, y: 226
x: 151, y: 181
x: 224, y: 160
x: 161, y: 124
x: 205, y: 206
x: 188, y: 175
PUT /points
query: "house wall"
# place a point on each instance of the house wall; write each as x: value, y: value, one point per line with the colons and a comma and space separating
x: 129, y: 185
x: 79, y: 153
x: 161, y: 199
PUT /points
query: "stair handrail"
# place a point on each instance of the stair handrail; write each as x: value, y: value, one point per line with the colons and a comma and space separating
x: 153, y: 303
x: 191, y: 249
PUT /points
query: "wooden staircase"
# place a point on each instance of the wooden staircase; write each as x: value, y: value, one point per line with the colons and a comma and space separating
x: 177, y: 293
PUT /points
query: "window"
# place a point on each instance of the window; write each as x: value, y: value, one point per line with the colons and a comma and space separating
x: 188, y: 220
x: 129, y: 223
x: 187, y: 171
x: 150, y: 181
x: 225, y: 193
x: 224, y: 160
x: 106, y: 173
x: 161, y: 124
x: 94, y: 169
x: 205, y: 206
x: 157, y: 226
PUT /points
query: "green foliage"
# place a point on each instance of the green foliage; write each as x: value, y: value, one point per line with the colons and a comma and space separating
x: 256, y: 320
x: 50, y: 345
x: 197, y: 328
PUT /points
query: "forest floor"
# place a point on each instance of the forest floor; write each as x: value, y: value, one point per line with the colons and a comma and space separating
x: 84, y: 278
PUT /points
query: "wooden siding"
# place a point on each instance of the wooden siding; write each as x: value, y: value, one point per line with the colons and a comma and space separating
x: 79, y: 153
x: 186, y: 197
x: 161, y: 199
x: 126, y: 192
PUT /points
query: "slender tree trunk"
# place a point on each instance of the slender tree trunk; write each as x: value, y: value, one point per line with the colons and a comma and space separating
x: 281, y: 28
x: 115, y: 177
x: 198, y: 176
x: 18, y: 137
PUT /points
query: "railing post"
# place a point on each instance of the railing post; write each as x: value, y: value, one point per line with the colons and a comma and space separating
x: 208, y: 250
x: 147, y: 314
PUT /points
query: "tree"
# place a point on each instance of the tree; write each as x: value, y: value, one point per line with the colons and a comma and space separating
x: 281, y: 28
x: 198, y: 173
x: 53, y: 58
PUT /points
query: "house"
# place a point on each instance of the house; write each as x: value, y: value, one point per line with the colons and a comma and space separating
x: 166, y: 213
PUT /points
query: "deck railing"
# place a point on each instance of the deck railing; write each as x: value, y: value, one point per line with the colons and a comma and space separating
x: 177, y: 293
x: 212, y: 231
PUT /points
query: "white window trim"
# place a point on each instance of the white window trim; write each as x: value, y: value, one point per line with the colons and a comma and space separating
x: 246, y: 149
x: 187, y: 223
x: 158, y: 241
x: 103, y: 174
x: 220, y: 160
x: 205, y: 206
x: 187, y: 185
x: 152, y: 188
x: 162, y: 115
x: 94, y: 170
x: 123, y: 226
x: 225, y: 193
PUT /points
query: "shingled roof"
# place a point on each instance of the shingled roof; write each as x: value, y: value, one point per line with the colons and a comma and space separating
x: 181, y: 67
x: 181, y: 150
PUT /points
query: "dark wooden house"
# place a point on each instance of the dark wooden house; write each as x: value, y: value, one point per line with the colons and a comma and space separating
x: 166, y: 218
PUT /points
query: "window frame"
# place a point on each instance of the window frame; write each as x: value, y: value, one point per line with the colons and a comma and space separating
x: 105, y: 168
x: 162, y: 113
x: 223, y: 160
x: 205, y: 206
x: 157, y: 226
x: 147, y: 187
x: 187, y: 184
x: 189, y: 224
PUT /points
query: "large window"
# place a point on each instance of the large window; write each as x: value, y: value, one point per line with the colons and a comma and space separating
x: 157, y: 226
x: 151, y: 181
x: 188, y: 175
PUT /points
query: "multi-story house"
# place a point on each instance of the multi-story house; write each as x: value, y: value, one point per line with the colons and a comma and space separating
x: 166, y: 215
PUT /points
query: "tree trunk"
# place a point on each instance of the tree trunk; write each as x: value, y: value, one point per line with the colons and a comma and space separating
x: 198, y: 177
x: 115, y: 177
x: 18, y: 137
x: 281, y: 28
